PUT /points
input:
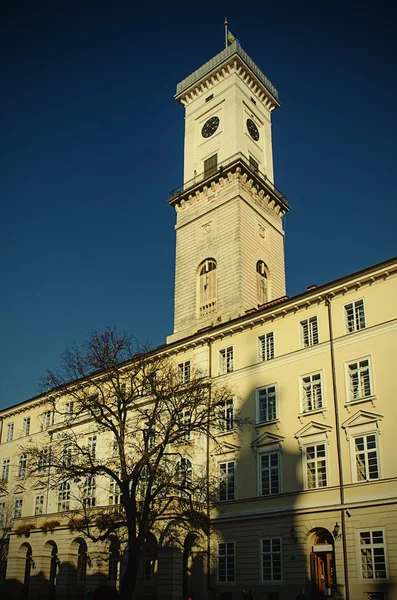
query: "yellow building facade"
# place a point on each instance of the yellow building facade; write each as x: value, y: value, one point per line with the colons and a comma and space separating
x: 308, y: 491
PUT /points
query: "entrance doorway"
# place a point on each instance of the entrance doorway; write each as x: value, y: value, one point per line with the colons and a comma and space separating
x: 322, y: 565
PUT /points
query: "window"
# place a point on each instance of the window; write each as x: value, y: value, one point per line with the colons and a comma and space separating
x: 5, y: 472
x: 208, y: 98
x: 210, y: 166
x: 373, y: 554
x: 309, y: 332
x: 261, y: 282
x: 269, y: 473
x: 42, y: 461
x: 82, y: 562
x: 267, y: 404
x: 116, y: 449
x: 226, y: 415
x: 227, y: 481
x: 148, y: 565
x: 226, y: 562
x: 366, y: 457
x: 69, y: 408
x: 39, y: 505
x: 67, y: 454
x: 184, y: 371
x: 91, y: 446
x: 184, y: 424
x: 312, y: 392
x: 359, y: 379
x: 266, y: 346
x: 26, y: 426
x: 2, y: 514
x: 22, y: 466
x: 149, y: 436
x: 114, y: 492
x: 207, y: 287
x: 271, y: 559
x: 316, y: 466
x: 89, y: 492
x: 18, y: 508
x: 355, y: 316
x: 64, y: 496
x: 254, y: 165
x: 114, y: 561
x: 46, y: 420
x: 184, y: 472
x: 10, y: 432
x: 226, y: 360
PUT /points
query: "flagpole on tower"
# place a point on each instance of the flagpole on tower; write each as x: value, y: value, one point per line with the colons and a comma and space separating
x: 225, y: 32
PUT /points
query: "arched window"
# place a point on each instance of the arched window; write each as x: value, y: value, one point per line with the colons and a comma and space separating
x: 82, y: 560
x: 114, y: 561
x: 207, y: 287
x: 261, y: 282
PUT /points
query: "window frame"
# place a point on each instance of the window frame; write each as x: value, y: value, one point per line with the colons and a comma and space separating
x: 207, y: 298
x: 37, y: 505
x: 223, y: 368
x: 372, y: 530
x: 225, y: 556
x: 18, y: 501
x: 258, y: 411
x: 354, y: 453
x: 312, y: 337
x: 47, y: 419
x: 264, y: 338
x: 280, y: 553
x: 356, y: 319
x: 22, y: 465
x: 261, y: 455
x: 316, y: 460
x: 225, y: 421
x: 349, y: 397
x: 184, y: 371
x: 228, y: 492
x: 5, y: 470
x: 321, y: 408
x: 10, y: 431
x: 26, y: 423
x: 63, y: 496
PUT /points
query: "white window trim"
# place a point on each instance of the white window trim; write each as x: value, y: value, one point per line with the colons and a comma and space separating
x: 357, y: 434
x: 271, y: 581
x: 302, y: 345
x: 257, y: 411
x: 304, y: 456
x: 217, y: 562
x: 225, y: 372
x: 35, y: 505
x: 372, y: 396
x: 347, y: 332
x: 221, y: 462
x: 260, y: 337
x: 374, y: 580
x: 301, y: 394
x: 269, y: 450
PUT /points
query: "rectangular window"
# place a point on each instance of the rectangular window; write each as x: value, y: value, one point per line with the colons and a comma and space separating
x: 2, y: 514
x: 185, y: 424
x: 22, y: 466
x: 38, y: 505
x: 271, y: 559
x: 91, y: 446
x: 184, y: 371
x: 269, y: 473
x: 10, y: 432
x: 42, y: 461
x: 254, y: 165
x: 46, y: 420
x: 26, y: 426
x: 210, y: 166
x: 227, y: 481
x: 64, y: 496
x: 148, y: 565
x: 366, y: 457
x: 355, y: 316
x: 18, y: 508
x: 373, y: 554
x: 309, y: 332
x: 5, y: 471
x: 69, y: 408
x: 226, y: 562
x: 89, y: 492
x: 114, y: 492
x: 67, y: 454
x: 312, y: 392
x: 267, y: 404
x: 226, y: 360
x: 266, y: 346
x: 226, y: 415
x: 359, y: 379
x: 316, y: 466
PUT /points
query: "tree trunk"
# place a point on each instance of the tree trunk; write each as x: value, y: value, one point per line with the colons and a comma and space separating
x: 128, y: 581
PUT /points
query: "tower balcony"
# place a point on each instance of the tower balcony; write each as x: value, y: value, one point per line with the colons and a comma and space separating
x: 249, y: 172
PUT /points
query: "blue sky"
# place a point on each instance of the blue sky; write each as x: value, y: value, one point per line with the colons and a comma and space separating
x: 92, y: 143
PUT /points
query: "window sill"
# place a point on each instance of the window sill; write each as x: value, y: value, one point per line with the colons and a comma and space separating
x: 360, y: 401
x: 316, y: 411
x: 226, y: 432
x: 275, y: 422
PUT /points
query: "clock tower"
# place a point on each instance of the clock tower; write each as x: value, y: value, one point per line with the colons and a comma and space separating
x: 229, y: 232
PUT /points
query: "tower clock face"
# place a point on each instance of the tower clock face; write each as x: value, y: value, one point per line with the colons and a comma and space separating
x: 253, y: 130
x: 210, y: 127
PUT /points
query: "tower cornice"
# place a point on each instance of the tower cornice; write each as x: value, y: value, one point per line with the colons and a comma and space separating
x: 232, y: 59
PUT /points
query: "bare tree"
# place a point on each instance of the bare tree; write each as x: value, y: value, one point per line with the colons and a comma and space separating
x: 149, y: 417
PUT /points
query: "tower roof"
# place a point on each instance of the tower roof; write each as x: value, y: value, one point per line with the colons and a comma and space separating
x: 234, y: 50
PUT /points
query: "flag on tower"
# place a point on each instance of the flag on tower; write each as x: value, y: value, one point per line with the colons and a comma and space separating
x: 231, y: 38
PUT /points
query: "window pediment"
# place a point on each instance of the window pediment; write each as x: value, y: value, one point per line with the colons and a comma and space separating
x: 267, y: 441
x: 362, y: 421
x: 19, y: 489
x: 226, y: 448
x: 312, y: 432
